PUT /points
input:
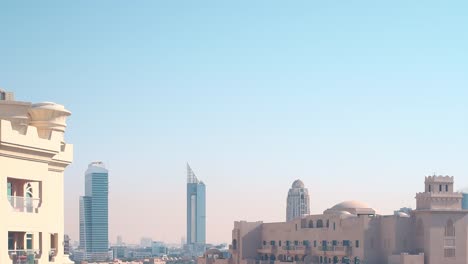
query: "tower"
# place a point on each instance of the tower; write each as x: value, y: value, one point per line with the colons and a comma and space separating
x: 196, y: 213
x: 438, y: 195
x: 297, y: 201
x: 94, y: 216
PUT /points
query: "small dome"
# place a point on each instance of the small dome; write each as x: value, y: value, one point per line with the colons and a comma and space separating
x: 402, y: 214
x: 298, y: 184
x: 350, y: 205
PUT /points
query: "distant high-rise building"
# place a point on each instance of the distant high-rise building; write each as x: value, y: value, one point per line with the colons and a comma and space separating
x: 297, y: 201
x: 94, y: 216
x: 196, y: 214
x: 158, y: 249
x: 119, y: 240
x: 66, y: 244
x: 465, y: 199
x: 146, y: 242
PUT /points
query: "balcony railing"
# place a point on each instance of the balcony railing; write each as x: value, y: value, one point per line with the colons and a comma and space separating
x: 24, y: 204
x: 335, y: 250
x: 23, y: 256
x: 52, y: 254
x: 267, y: 249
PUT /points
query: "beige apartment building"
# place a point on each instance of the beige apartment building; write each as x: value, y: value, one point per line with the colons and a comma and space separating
x: 436, y: 232
x: 33, y: 157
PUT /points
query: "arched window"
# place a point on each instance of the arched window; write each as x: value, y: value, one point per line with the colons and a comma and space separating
x: 328, y: 223
x: 319, y: 223
x: 311, y: 224
x: 449, y: 229
x: 419, y: 228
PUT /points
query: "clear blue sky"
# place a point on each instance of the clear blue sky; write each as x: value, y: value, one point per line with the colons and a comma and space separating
x: 359, y: 99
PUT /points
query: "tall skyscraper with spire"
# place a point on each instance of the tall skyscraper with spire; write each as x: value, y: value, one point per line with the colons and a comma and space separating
x: 297, y: 201
x: 196, y: 213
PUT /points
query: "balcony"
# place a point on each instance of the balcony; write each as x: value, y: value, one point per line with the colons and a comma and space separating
x: 24, y: 256
x: 333, y: 250
x: 267, y: 249
x: 295, y: 250
x: 24, y: 204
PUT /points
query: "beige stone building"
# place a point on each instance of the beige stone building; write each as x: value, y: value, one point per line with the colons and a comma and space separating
x: 351, y: 232
x: 33, y: 156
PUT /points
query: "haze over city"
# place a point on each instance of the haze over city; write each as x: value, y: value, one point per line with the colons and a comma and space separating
x: 358, y: 100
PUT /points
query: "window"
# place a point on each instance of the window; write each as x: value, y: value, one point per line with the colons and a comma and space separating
x: 357, y: 243
x: 11, y: 241
x: 9, y: 187
x: 319, y: 223
x: 449, y: 252
x: 430, y: 188
x: 29, y: 241
x: 440, y: 188
x: 328, y: 223
x: 272, y: 242
x: 346, y: 243
x: 446, y: 188
x: 264, y: 242
x: 305, y: 242
x: 334, y: 242
x: 279, y: 243
x: 449, y: 229
x: 334, y: 226
x: 234, y: 244
x: 296, y: 242
x: 315, y: 243
x: 419, y: 228
x: 311, y: 224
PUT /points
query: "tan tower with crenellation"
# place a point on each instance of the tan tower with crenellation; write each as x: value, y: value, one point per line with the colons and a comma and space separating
x: 439, y: 195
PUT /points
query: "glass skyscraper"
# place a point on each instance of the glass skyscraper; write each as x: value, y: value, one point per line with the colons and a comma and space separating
x: 94, y: 216
x: 196, y: 213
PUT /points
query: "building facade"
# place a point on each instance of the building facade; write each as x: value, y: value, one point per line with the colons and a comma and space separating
x: 94, y: 214
x: 33, y: 157
x: 196, y: 213
x: 297, y: 204
x: 351, y: 232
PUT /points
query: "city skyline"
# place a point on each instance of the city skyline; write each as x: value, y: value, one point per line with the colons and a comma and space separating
x: 253, y: 94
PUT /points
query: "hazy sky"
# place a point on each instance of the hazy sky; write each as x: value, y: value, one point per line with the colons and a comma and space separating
x: 359, y: 99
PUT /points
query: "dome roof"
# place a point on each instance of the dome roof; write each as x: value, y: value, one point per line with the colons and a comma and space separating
x: 298, y: 184
x: 350, y: 205
x: 402, y: 214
